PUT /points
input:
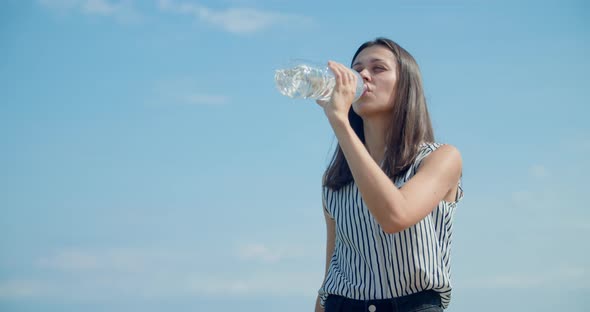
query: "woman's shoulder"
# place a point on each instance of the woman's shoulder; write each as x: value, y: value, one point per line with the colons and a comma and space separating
x: 437, y: 151
x: 430, y: 147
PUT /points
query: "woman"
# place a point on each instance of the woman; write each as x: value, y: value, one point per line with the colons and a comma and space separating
x: 390, y: 192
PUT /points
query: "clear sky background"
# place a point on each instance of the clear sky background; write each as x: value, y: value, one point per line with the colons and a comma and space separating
x: 147, y: 162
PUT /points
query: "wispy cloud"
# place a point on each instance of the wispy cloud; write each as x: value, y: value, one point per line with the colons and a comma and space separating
x: 266, y: 254
x: 114, y: 259
x: 96, y: 274
x: 203, y: 99
x: 154, y: 284
x: 69, y: 260
x: 22, y: 288
x: 576, y: 143
x: 257, y: 283
x: 122, y: 11
x: 182, y: 91
x: 234, y: 20
x: 528, y: 197
x: 522, y: 197
x: 539, y: 171
x: 559, y: 277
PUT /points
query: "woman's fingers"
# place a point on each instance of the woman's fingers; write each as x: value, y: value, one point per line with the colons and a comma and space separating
x: 322, y: 103
x: 343, y: 94
x: 336, y: 71
x: 342, y: 73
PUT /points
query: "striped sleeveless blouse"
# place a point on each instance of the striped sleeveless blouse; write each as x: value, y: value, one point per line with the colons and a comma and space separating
x: 368, y: 263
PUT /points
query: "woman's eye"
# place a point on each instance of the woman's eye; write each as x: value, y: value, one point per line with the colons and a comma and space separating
x: 379, y: 68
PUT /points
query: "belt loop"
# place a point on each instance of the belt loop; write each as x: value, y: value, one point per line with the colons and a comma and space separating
x: 393, y: 304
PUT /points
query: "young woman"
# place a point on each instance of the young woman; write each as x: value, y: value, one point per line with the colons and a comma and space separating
x: 390, y: 191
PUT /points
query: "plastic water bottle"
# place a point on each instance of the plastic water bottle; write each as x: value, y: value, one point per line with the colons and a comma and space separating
x: 310, y: 81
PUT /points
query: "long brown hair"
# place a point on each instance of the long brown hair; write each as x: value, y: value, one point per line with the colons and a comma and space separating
x: 410, y: 122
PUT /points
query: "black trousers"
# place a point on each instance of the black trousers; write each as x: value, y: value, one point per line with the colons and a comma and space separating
x: 424, y: 301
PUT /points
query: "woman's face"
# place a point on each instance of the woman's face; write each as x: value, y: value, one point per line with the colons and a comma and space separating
x: 378, y: 67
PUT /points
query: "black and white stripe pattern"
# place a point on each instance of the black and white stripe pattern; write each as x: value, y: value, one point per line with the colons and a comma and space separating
x: 370, y: 264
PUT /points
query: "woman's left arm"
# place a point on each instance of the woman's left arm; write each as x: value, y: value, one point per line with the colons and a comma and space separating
x: 397, y: 209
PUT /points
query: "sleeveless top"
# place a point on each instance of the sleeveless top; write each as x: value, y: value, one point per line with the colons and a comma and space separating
x: 368, y: 263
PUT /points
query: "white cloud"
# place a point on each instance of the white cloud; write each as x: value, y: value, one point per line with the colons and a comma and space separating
x: 260, y: 283
x: 539, y: 171
x: 206, y: 99
x: 182, y: 91
x: 234, y: 20
x: 59, y: 4
x: 99, y: 7
x: 122, y: 11
x: 579, y: 223
x: 259, y: 252
x: 265, y: 254
x: 522, y: 197
x: 115, y: 259
x: 560, y: 277
x: 23, y: 288
x: 529, y: 197
x: 69, y: 260
x: 153, y: 284
x: 576, y: 143
x: 92, y: 275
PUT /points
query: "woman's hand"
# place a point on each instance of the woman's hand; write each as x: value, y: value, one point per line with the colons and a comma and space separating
x: 336, y: 109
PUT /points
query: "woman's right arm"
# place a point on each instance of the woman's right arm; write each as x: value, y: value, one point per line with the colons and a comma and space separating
x: 330, y: 244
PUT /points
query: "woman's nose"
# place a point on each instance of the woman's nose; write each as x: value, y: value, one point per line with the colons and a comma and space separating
x: 365, y: 75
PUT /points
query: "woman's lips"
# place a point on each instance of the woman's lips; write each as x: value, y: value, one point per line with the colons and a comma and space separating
x: 366, y: 89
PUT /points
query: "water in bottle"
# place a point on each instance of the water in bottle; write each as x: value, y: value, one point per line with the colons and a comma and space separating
x: 308, y: 81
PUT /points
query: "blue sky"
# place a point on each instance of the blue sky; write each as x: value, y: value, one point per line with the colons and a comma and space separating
x: 148, y: 162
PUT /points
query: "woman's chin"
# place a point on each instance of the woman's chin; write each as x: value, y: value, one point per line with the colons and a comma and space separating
x: 365, y: 109
x: 362, y: 108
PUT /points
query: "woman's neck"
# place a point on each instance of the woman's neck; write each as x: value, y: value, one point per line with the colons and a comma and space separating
x: 375, y: 129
